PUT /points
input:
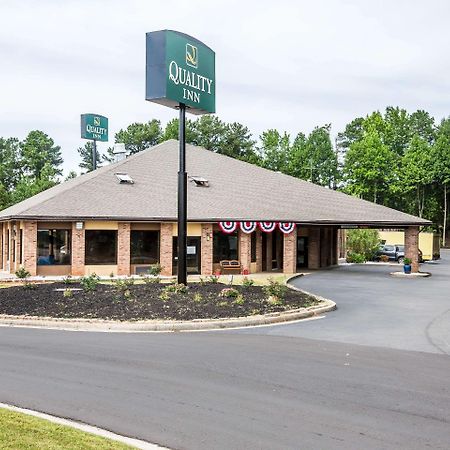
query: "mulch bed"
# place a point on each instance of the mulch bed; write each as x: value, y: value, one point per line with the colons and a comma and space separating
x: 142, y: 301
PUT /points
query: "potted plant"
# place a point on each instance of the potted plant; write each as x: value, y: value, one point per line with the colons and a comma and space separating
x: 407, y: 265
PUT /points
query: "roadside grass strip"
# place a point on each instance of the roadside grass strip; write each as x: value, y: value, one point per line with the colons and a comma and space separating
x: 25, y: 432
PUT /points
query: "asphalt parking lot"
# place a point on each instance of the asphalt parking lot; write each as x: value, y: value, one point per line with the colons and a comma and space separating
x: 376, y: 309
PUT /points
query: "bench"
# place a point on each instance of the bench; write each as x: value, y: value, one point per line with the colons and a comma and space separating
x: 227, y: 266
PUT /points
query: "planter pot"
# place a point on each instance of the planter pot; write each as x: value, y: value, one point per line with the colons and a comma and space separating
x: 407, y: 268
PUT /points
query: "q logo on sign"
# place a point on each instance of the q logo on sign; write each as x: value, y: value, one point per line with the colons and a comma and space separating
x: 97, y: 121
x: 191, y: 56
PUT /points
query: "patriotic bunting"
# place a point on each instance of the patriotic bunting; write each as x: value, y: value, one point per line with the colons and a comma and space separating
x: 286, y: 227
x: 248, y: 227
x: 228, y: 227
x: 267, y: 227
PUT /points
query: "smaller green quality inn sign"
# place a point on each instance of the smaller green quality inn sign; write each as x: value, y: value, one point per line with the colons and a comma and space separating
x: 94, y: 127
x: 180, y: 69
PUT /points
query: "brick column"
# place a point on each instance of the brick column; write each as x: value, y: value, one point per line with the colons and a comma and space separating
x: 259, y: 255
x: 290, y: 252
x: 412, y: 247
x: 18, y: 245
x: 245, y: 243
x: 30, y: 247
x: 314, y: 248
x: 123, y: 248
x: 4, y: 244
x: 78, y: 251
x: 269, y: 252
x: 166, y: 248
x: 207, y: 249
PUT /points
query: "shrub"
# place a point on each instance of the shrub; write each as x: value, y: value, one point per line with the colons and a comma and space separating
x: 407, y: 261
x: 164, y: 295
x: 68, y: 293
x: 363, y: 242
x: 90, y: 282
x: 155, y: 270
x: 247, y: 282
x: 150, y: 280
x: 22, y: 273
x: 275, y: 289
x: 239, y: 300
x: 67, y: 280
x: 355, y: 258
x: 213, y: 279
x: 198, y: 298
x: 176, y: 288
x: 229, y: 293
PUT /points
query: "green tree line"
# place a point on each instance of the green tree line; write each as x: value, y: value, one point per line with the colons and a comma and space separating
x: 394, y: 158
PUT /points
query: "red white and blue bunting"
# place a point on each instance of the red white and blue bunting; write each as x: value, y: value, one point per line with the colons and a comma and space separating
x: 267, y: 227
x: 286, y: 227
x: 228, y: 227
x: 248, y: 227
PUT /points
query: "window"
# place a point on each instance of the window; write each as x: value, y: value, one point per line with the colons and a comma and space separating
x: 225, y: 246
x: 54, y: 247
x: 144, y: 247
x: 253, y: 247
x: 101, y: 247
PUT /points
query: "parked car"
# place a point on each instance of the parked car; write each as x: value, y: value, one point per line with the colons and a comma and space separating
x: 394, y: 253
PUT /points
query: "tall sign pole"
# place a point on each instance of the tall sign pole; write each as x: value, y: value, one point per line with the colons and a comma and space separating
x: 182, y: 199
x: 180, y: 74
x: 94, y: 127
x: 94, y: 154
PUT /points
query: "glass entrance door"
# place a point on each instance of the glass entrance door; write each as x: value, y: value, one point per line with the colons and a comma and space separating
x: 193, y: 257
x: 302, y: 252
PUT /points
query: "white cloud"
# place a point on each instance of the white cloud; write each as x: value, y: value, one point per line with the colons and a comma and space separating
x: 285, y: 64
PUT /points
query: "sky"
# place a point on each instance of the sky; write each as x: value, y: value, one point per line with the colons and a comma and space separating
x: 289, y: 65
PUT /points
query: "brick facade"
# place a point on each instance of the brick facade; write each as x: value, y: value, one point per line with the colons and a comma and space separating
x: 269, y: 255
x: 290, y: 252
x: 259, y: 255
x: 30, y: 247
x: 314, y: 248
x: 18, y: 247
x: 207, y: 249
x: 245, y: 242
x: 123, y: 248
x: 322, y: 248
x: 412, y: 247
x: 78, y: 251
x: 4, y: 245
x: 166, y: 248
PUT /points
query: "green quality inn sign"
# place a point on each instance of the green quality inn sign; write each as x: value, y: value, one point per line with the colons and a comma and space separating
x: 94, y: 127
x: 180, y: 69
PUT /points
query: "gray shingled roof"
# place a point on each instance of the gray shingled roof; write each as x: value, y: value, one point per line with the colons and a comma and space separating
x: 237, y: 191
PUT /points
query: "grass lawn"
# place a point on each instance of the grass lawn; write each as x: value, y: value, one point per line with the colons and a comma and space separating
x: 24, y: 432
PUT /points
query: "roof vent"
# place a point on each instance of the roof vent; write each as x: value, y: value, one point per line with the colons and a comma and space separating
x: 119, y: 152
x: 124, y: 178
x: 199, y: 181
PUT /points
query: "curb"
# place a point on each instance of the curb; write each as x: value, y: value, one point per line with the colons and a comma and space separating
x: 410, y: 275
x: 172, y: 325
x: 137, y: 443
x: 165, y: 326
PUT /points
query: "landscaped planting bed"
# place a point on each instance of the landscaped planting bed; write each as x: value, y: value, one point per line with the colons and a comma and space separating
x: 129, y: 300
